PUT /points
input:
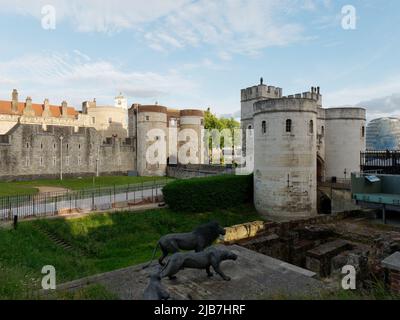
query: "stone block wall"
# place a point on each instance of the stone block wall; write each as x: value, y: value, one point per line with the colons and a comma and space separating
x: 194, y: 171
x: 34, y: 151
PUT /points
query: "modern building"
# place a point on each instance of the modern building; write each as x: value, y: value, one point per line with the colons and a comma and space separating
x: 383, y: 134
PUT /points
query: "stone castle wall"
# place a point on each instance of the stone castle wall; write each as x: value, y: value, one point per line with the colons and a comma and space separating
x: 34, y: 151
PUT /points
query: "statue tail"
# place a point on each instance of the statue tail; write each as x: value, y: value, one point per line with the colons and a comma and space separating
x: 152, y: 258
x: 160, y: 272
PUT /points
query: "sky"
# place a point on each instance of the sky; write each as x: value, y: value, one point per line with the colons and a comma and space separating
x: 201, y: 53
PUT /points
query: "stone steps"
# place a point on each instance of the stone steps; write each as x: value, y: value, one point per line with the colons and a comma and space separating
x: 319, y: 258
x: 57, y: 241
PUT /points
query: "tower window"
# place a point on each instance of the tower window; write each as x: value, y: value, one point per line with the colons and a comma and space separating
x: 288, y: 125
x: 147, y: 118
x: 362, y: 131
x: 323, y: 131
x: 109, y: 120
x: 311, y: 126
x: 264, y: 127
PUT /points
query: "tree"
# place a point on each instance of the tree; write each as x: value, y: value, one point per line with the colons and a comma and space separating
x: 211, y: 121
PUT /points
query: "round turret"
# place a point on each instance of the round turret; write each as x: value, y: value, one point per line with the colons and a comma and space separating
x: 191, y: 129
x: 152, y: 137
x: 345, y: 139
x: 285, y: 164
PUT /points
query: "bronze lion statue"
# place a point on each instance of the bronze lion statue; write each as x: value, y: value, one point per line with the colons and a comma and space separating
x: 211, y: 257
x: 199, y: 239
x: 155, y: 290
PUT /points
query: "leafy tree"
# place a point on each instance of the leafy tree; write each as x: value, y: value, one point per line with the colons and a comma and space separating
x: 211, y: 121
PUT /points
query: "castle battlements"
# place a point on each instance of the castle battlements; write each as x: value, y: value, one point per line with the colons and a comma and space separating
x: 261, y: 91
x: 313, y: 94
x: 296, y: 144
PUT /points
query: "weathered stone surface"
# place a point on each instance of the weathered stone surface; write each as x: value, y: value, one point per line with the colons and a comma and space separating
x: 254, y: 276
x: 357, y: 258
x: 329, y: 249
x: 392, y: 262
x: 243, y: 231
x: 35, y: 151
x: 316, y: 232
x: 319, y: 258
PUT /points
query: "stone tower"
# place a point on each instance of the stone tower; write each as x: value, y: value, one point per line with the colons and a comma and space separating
x: 285, y: 164
x: 192, y: 124
x: 151, y: 124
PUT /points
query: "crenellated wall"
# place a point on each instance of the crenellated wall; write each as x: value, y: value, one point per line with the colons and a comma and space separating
x: 322, y: 143
x: 33, y: 151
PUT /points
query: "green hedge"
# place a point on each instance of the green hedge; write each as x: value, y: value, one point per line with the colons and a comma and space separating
x: 205, y: 194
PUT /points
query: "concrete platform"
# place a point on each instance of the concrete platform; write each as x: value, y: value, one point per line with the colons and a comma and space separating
x: 254, y: 276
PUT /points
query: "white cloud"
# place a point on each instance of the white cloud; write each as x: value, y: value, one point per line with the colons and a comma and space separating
x: 353, y: 95
x: 97, y: 15
x: 232, y: 26
x: 237, y: 26
x: 380, y: 99
x: 77, y: 77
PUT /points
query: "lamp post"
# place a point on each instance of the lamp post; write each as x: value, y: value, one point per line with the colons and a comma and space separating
x: 98, y: 158
x: 61, y: 157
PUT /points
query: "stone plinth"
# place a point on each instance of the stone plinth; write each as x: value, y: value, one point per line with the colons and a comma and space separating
x: 253, y: 276
x: 392, y: 265
x: 319, y: 258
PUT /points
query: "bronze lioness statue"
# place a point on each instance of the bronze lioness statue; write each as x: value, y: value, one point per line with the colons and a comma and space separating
x: 199, y: 239
x: 155, y: 290
x: 211, y: 257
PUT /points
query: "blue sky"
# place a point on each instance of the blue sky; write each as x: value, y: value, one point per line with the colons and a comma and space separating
x: 200, y: 53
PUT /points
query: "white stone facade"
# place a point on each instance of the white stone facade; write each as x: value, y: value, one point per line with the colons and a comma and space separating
x: 296, y: 144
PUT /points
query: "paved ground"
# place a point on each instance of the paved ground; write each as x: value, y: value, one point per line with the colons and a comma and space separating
x: 254, y: 276
x: 46, y: 189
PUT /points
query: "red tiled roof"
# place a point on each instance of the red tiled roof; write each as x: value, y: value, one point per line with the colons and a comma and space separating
x: 5, y: 108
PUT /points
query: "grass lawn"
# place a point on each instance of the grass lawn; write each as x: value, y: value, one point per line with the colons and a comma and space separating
x: 29, y: 187
x: 99, y: 243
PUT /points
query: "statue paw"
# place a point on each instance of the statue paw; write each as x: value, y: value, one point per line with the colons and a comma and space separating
x: 227, y: 278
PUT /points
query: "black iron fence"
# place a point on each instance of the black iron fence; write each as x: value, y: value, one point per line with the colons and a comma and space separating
x: 86, y: 200
x: 384, y: 162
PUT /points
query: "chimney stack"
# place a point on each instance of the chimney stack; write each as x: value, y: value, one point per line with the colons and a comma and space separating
x: 64, y: 109
x: 14, y: 102
x: 28, y: 110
